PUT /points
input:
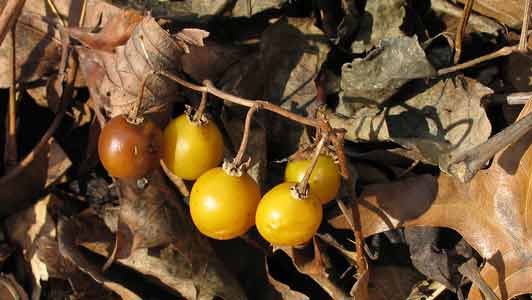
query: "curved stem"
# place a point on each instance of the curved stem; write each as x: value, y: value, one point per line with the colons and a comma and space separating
x: 302, y: 186
x: 211, y: 89
x: 134, y: 113
x: 245, y: 136
x: 201, y: 108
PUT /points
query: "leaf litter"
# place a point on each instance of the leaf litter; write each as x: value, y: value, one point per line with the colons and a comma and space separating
x: 73, y: 232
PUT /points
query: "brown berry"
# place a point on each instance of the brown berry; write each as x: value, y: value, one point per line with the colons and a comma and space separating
x: 129, y: 150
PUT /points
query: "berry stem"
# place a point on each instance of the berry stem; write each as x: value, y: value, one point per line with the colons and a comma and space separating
x: 237, y: 162
x: 201, y: 108
x: 303, y: 186
x: 133, y: 116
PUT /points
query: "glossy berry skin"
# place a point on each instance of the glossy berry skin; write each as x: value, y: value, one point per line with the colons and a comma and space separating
x: 191, y: 149
x: 127, y: 150
x: 223, y: 206
x: 284, y: 220
x: 325, y: 178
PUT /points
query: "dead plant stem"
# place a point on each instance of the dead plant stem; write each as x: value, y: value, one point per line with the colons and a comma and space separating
x: 9, y: 15
x: 245, y: 136
x: 11, y: 148
x: 303, y: 186
x: 201, y: 108
x: 523, y: 45
x: 499, y: 53
x: 461, y: 30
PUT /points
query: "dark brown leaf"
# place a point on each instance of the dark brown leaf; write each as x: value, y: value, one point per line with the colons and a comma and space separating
x: 392, y: 282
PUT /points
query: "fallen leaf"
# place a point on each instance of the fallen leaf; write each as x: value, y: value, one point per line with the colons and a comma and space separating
x: 199, y: 275
x: 491, y: 213
x: 286, y: 292
x: 382, y: 19
x: 447, y: 116
x: 247, y: 8
x: 20, y: 190
x: 114, y: 79
x: 371, y: 81
x: 38, y: 42
x: 115, y: 33
x: 392, y: 282
x: 311, y: 261
x: 509, y: 12
x: 10, y: 289
x: 283, y: 72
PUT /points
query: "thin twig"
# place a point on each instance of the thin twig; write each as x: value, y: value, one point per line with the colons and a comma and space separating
x: 466, y: 164
x: 303, y: 186
x: 178, y: 181
x: 9, y: 15
x: 470, y: 270
x: 523, y: 45
x: 198, y: 116
x: 11, y: 147
x: 520, y: 98
x: 245, y: 136
x: 461, y: 30
x: 56, y: 12
x: 133, y: 116
x: 505, y: 51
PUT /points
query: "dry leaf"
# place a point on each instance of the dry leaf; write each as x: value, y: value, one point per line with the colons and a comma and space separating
x: 311, y: 261
x: 371, y: 81
x: 392, y: 282
x: 10, y: 289
x: 448, y: 116
x: 115, y: 33
x: 283, y: 72
x: 508, y: 12
x: 38, y: 42
x: 247, y: 8
x: 382, y: 19
x: 187, y: 265
x: 114, y: 79
x: 44, y: 169
x: 286, y: 292
x: 492, y: 213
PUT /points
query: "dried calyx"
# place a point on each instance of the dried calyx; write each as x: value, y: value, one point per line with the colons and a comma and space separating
x: 301, y: 190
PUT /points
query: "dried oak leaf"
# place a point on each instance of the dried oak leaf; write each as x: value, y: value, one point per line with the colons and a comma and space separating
x: 372, y: 80
x: 183, y: 260
x: 38, y: 42
x: 114, y: 79
x: 447, y: 116
x: 507, y: 12
x: 382, y: 19
x: 492, y: 213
